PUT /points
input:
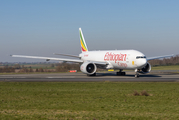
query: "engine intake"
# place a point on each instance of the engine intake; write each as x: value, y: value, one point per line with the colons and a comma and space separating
x: 88, y: 68
x: 145, y: 69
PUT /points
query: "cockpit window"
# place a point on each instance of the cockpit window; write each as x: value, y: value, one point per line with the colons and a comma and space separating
x: 138, y: 57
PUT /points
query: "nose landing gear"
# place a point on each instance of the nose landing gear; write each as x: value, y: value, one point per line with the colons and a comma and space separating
x: 136, y: 73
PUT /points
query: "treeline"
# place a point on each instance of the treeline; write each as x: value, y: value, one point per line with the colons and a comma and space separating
x: 26, y: 70
x: 64, y: 67
x: 22, y: 70
x: 7, y: 69
x: 59, y: 67
x: 169, y: 61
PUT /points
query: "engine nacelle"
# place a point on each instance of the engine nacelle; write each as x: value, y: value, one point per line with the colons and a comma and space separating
x: 88, y: 68
x: 145, y: 69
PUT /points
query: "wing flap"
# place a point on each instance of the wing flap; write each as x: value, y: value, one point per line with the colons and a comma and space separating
x: 66, y: 55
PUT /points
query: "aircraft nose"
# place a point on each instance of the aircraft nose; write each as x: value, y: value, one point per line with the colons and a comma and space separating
x: 143, y: 62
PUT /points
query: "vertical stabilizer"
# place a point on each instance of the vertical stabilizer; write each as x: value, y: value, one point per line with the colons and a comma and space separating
x: 82, y: 41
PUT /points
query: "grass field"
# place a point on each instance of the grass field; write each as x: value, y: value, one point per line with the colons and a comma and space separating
x: 169, y: 67
x: 88, y: 100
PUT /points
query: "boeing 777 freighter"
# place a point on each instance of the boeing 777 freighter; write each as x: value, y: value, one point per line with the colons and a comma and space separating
x: 108, y: 59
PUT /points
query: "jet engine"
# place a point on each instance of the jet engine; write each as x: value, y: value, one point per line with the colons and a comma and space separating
x: 88, y: 68
x: 145, y: 69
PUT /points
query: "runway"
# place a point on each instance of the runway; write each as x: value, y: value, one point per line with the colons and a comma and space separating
x: 100, y: 77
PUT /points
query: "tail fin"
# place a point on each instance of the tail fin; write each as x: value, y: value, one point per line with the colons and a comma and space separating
x: 82, y: 41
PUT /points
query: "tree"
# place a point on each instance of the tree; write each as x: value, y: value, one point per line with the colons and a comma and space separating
x: 17, y: 66
x: 41, y: 70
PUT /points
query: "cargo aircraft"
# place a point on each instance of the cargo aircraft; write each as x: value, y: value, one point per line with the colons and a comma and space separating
x: 108, y: 59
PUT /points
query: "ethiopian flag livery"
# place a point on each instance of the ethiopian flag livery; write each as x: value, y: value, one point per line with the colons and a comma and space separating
x: 82, y: 41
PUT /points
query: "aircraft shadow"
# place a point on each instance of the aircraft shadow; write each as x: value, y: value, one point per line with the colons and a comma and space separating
x: 127, y: 75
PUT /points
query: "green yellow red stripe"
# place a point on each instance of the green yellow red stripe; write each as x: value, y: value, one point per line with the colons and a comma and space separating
x: 83, y: 46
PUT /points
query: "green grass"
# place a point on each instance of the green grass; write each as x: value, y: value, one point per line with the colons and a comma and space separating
x: 170, y: 67
x: 88, y: 100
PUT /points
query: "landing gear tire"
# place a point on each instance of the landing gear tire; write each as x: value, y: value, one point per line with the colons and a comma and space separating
x: 136, y: 75
x: 121, y: 73
x: 92, y: 74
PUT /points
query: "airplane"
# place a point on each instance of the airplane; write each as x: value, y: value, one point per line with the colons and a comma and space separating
x: 106, y: 59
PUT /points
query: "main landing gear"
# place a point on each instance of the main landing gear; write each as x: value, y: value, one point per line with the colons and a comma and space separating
x: 120, y: 73
x: 94, y: 74
x: 136, y: 73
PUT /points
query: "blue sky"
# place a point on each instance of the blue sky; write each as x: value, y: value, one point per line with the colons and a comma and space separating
x: 44, y: 27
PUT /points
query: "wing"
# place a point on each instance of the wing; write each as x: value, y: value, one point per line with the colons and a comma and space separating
x: 100, y: 64
x: 158, y: 57
x: 49, y: 58
x: 66, y: 55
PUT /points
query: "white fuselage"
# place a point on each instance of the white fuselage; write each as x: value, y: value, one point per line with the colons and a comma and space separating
x: 117, y: 59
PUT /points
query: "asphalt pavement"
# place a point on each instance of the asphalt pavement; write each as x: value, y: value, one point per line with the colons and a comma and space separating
x: 155, y: 76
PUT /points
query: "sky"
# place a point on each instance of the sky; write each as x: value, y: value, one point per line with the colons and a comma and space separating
x: 44, y: 27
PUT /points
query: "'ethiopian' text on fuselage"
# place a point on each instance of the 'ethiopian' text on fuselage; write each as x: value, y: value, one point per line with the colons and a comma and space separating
x: 115, y: 57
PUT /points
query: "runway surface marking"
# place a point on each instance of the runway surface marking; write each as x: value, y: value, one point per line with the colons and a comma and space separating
x: 79, y: 77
